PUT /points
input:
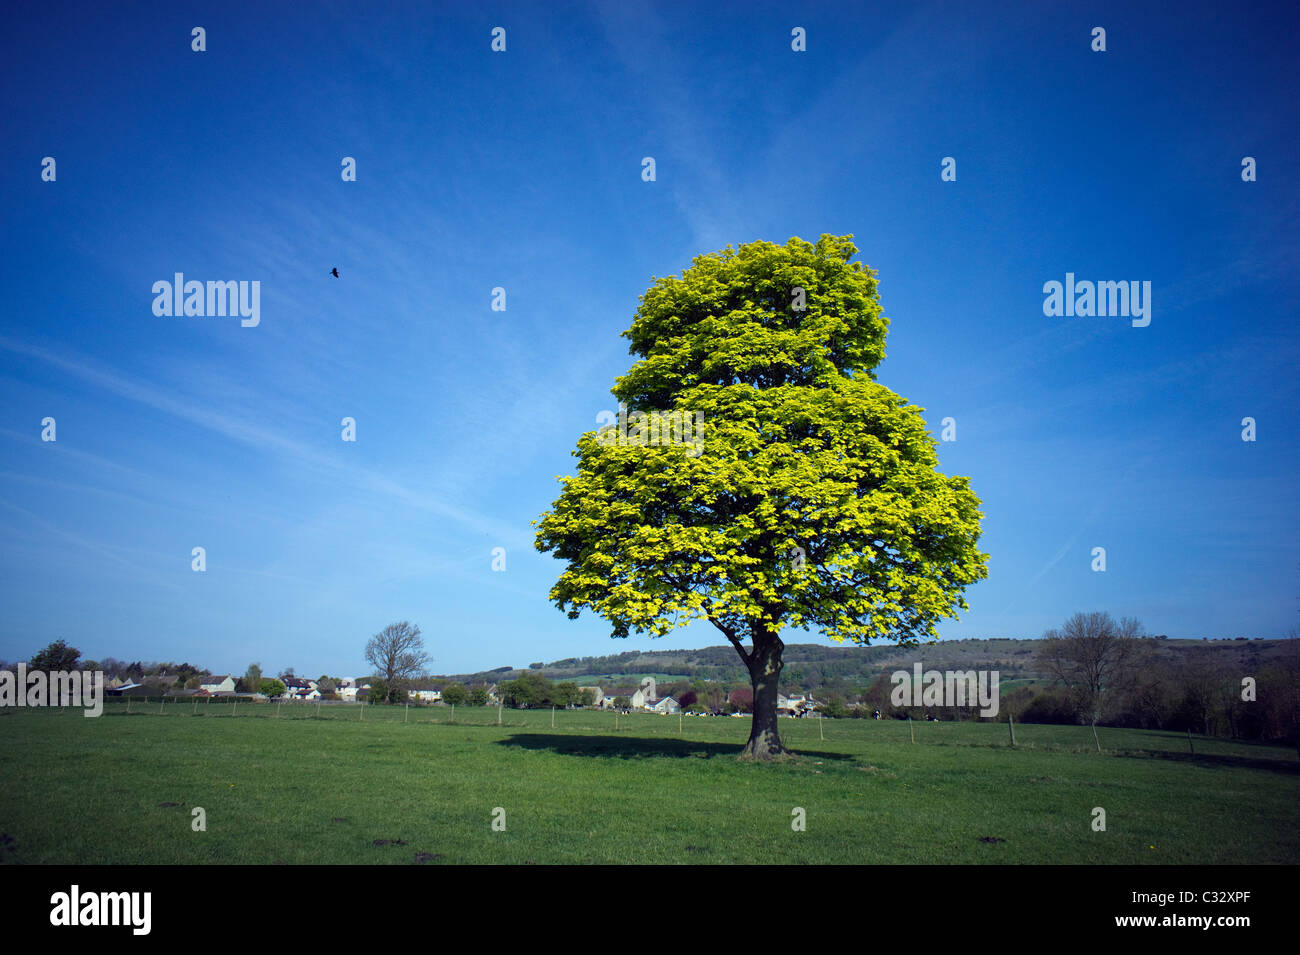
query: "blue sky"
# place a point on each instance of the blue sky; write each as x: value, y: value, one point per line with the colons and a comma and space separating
x: 522, y: 170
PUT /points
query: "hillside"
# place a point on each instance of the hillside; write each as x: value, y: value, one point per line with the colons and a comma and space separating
x: 810, y: 666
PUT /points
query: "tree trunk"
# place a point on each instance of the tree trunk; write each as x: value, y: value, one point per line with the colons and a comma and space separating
x: 764, y: 672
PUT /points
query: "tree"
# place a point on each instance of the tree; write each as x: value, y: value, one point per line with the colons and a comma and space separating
x: 271, y: 688
x: 57, y: 656
x: 806, y: 495
x: 454, y: 693
x: 834, y: 707
x: 742, y: 700
x: 397, y: 654
x: 478, y: 695
x: 622, y: 703
x: 530, y: 690
x: 566, y: 694
x: 1092, y: 656
x: 253, y: 677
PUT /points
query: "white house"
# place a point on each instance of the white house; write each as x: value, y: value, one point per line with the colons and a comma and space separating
x: 218, y: 684
x: 643, y: 697
x: 425, y: 694
x: 347, y: 690
x: 296, y: 688
x: 795, y: 705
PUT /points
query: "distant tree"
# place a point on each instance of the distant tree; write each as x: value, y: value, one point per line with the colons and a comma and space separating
x: 742, y: 700
x: 687, y: 699
x: 587, y: 696
x: 57, y: 656
x: 1279, y: 695
x: 478, y: 695
x: 566, y: 693
x: 287, y: 674
x: 455, y: 694
x: 536, y: 666
x: 622, y: 703
x: 833, y: 707
x: 1092, y: 657
x: 1013, y: 703
x: 397, y: 653
x: 193, y: 683
x: 326, y: 686
x: 253, y: 677
x: 271, y: 688
x: 529, y: 691
x: 1201, y: 681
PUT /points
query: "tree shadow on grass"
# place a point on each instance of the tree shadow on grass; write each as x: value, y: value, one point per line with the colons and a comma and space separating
x: 1218, y: 760
x: 621, y: 747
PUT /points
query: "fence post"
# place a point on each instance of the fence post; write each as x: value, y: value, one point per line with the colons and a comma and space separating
x: 1189, y: 741
x: 911, y: 732
x: 128, y: 704
x: 234, y: 709
x: 552, y: 717
x: 498, y: 712
x: 406, y: 717
x: 1011, y: 722
x: 819, y: 728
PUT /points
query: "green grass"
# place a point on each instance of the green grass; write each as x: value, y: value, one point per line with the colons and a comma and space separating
x: 301, y: 789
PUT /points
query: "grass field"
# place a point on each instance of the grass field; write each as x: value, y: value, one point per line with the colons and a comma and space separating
x: 404, y: 788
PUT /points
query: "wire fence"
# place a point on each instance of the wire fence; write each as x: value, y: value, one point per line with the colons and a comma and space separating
x: 795, y: 732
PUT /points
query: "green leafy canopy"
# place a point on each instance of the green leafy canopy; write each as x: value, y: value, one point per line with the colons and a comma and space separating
x: 816, y: 502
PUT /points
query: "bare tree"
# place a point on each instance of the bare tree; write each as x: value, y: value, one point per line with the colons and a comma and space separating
x: 397, y: 654
x: 1093, y: 657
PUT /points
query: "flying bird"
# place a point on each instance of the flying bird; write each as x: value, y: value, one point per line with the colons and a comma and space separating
x: 334, y: 272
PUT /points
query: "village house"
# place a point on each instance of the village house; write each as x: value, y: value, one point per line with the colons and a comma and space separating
x: 296, y: 688
x: 800, y: 705
x: 643, y: 697
x: 218, y: 684
x: 426, y: 694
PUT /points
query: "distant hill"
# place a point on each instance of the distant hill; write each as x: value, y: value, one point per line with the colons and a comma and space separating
x: 812, y: 666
